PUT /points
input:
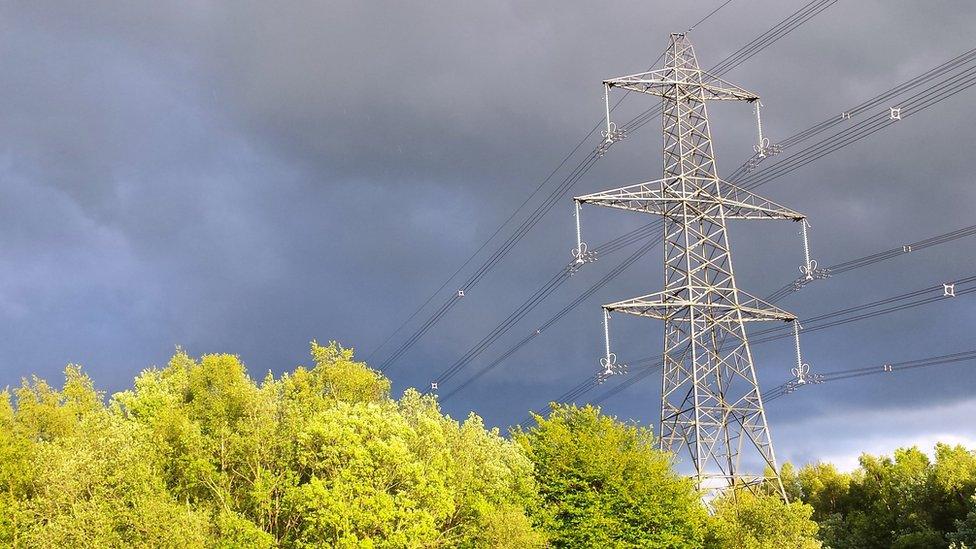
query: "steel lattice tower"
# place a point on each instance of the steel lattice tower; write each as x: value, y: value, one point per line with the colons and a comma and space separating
x: 711, y: 403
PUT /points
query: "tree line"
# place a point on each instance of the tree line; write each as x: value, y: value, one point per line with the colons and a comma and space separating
x: 199, y: 454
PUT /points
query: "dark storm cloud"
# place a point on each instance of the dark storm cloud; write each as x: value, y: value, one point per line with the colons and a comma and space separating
x: 245, y: 177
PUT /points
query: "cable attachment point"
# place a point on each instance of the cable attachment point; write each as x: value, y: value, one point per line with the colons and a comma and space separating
x: 433, y: 385
x: 894, y: 113
x: 756, y: 159
x: 809, y: 268
x: 580, y: 254
x: 610, y: 135
x: 809, y: 271
x: 608, y: 364
x: 818, y: 274
x: 762, y: 147
x: 845, y: 115
x: 762, y: 142
x: 609, y: 367
x: 949, y: 290
x: 801, y: 372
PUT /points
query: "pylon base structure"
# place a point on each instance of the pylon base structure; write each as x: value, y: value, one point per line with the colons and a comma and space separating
x: 711, y: 405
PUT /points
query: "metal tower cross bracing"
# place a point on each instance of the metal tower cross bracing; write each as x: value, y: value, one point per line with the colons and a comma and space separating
x: 711, y: 404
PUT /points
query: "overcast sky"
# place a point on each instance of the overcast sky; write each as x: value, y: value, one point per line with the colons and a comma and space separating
x: 244, y: 178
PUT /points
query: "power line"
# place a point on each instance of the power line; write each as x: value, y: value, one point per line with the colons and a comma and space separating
x: 761, y: 42
x: 913, y: 105
x: 764, y: 40
x: 616, y: 271
x: 822, y: 322
x: 537, y: 297
x: 578, y: 172
x: 952, y: 64
x: 848, y: 136
x: 881, y: 369
x: 838, y: 268
x: 871, y: 259
x: 634, y: 236
x: 495, y: 257
x: 959, y: 62
x: 937, y: 93
x: 711, y: 13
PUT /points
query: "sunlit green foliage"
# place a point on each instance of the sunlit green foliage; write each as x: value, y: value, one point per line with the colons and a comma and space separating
x: 198, y: 454
x: 75, y: 474
x: 604, y: 484
x: 757, y: 521
x: 906, y: 501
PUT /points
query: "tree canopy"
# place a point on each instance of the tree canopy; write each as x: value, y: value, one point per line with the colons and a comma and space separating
x: 200, y: 454
x: 907, y: 500
x: 603, y: 483
x: 761, y: 521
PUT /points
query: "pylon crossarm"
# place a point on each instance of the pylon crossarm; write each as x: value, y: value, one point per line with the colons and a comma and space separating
x: 730, y: 91
x: 664, y: 306
x: 662, y: 197
x: 770, y: 311
x: 642, y: 197
x: 738, y: 201
x: 661, y: 83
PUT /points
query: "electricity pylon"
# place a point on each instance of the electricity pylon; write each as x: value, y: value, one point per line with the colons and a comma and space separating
x: 711, y: 403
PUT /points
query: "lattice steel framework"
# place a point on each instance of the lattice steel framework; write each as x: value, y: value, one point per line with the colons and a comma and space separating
x: 711, y: 403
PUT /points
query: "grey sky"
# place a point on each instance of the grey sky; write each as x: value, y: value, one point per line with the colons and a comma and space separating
x: 241, y: 177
